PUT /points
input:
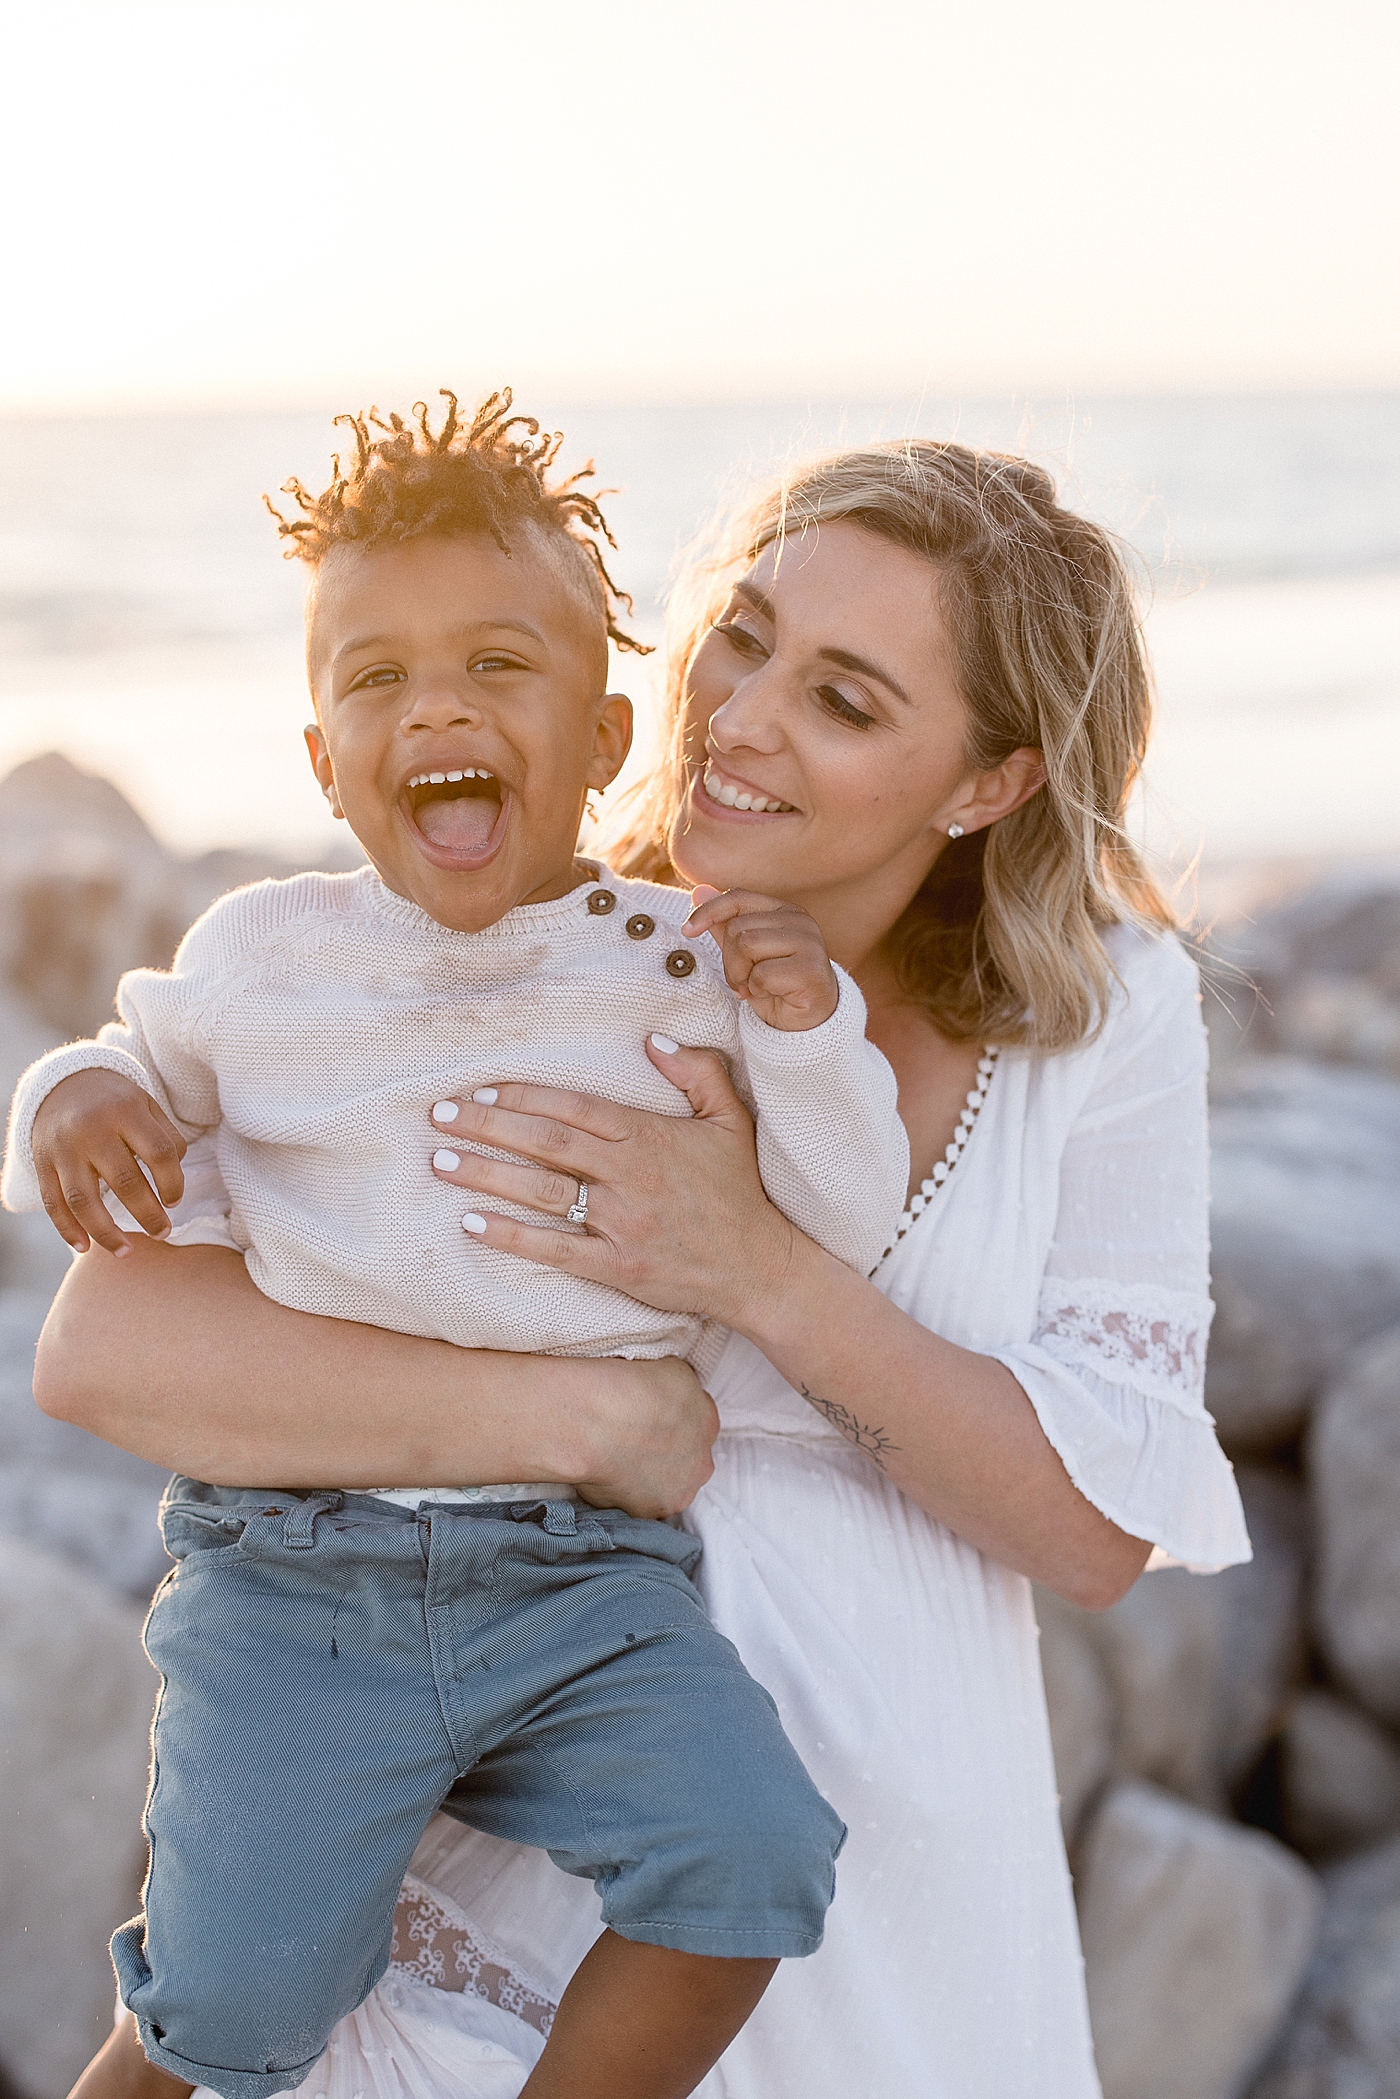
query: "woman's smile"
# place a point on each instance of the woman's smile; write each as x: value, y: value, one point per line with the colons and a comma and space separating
x: 725, y: 793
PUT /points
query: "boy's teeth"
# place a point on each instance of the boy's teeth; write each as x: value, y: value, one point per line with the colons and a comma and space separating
x: 468, y: 772
x: 736, y: 798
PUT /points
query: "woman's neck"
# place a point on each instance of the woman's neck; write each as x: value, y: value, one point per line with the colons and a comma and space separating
x: 934, y: 1075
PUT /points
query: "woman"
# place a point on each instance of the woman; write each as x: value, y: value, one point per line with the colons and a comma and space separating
x: 913, y: 702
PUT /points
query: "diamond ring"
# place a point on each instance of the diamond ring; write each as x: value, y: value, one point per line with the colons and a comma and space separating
x: 577, y: 1212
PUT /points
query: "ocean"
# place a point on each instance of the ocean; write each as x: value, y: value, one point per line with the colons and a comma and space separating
x: 149, y: 629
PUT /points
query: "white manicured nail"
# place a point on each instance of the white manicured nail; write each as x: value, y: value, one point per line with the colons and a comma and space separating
x: 485, y: 1096
x: 446, y: 1162
x: 472, y: 1223
x: 665, y: 1045
x: 445, y: 1111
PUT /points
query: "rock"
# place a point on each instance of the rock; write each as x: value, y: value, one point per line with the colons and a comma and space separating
x: 1354, y: 1459
x: 1080, y: 1705
x: 1305, y: 1226
x: 1340, y: 1777
x: 1161, y: 1650
x: 1259, y: 1612
x: 1325, y: 967
x: 90, y: 1504
x: 1187, y: 1680
x: 76, y: 1695
x: 1196, y: 1935
x: 1342, y: 2039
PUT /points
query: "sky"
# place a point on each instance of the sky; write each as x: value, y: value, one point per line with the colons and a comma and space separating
x: 280, y: 202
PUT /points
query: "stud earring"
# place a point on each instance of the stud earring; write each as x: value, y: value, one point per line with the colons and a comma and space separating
x: 955, y: 830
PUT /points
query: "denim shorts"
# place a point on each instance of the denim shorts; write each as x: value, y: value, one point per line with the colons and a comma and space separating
x: 335, y: 1668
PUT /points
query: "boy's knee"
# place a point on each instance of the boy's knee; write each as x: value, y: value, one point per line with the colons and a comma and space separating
x: 244, y: 2032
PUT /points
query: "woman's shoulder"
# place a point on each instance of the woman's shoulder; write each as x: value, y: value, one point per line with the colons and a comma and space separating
x: 1155, y: 992
x: 1150, y: 964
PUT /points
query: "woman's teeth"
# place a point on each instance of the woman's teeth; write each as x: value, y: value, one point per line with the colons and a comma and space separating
x: 469, y: 772
x: 737, y: 798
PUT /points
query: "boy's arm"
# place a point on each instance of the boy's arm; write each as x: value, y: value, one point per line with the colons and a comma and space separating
x: 152, y: 1047
x: 832, y: 1150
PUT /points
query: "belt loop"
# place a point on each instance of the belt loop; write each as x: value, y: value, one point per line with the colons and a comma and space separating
x: 299, y: 1531
x: 559, y: 1519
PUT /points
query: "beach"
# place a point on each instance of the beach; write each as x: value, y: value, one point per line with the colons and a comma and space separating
x: 149, y: 630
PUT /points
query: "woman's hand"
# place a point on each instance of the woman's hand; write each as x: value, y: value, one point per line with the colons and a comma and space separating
x: 677, y: 1214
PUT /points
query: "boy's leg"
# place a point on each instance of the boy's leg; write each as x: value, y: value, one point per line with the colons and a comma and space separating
x: 121, y: 2070
x: 642, y: 2022
x: 650, y: 1762
x: 300, y: 1749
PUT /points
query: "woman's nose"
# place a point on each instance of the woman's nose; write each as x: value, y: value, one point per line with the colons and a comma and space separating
x: 752, y: 714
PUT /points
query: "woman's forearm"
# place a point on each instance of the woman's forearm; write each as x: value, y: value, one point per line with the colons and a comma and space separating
x: 174, y: 1353
x: 953, y: 1429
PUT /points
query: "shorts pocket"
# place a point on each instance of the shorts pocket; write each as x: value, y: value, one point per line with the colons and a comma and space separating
x: 189, y: 1529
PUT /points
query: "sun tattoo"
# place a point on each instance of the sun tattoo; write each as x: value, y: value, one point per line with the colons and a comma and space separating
x: 873, y: 1441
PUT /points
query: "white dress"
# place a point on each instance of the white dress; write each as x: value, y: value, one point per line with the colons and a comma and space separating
x: 1070, y: 1242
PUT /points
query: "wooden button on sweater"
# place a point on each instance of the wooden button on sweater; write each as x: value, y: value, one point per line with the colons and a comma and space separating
x: 679, y: 963
x: 601, y: 902
x: 640, y: 927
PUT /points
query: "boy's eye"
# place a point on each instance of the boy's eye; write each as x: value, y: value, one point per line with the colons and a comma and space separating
x: 844, y: 710
x: 382, y: 674
x: 498, y: 660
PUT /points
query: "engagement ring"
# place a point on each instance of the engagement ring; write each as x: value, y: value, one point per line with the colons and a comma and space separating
x: 577, y: 1212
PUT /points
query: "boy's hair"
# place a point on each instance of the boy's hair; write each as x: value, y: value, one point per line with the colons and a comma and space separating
x: 478, y: 479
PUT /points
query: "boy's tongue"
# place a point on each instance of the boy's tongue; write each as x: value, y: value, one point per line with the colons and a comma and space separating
x: 462, y: 825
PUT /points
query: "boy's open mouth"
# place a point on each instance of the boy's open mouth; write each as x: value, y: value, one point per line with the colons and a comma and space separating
x: 456, y: 813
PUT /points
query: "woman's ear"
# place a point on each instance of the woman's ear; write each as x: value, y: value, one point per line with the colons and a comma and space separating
x: 612, y: 740
x: 321, y: 766
x: 997, y: 792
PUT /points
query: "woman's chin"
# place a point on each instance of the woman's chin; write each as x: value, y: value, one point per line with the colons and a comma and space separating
x: 728, y: 848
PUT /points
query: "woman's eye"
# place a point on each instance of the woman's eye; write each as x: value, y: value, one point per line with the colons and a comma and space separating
x: 836, y: 703
x: 740, y: 638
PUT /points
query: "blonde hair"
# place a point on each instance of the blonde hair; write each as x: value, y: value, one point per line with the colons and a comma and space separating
x: 1002, y: 942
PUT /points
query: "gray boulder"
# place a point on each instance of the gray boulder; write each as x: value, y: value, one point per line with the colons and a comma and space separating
x: 1354, y: 1457
x: 1259, y: 1610
x: 1188, y: 1678
x: 1196, y: 1935
x: 1342, y: 2039
x: 76, y: 1696
x: 1305, y: 1225
x: 1320, y: 972
x: 1340, y: 1777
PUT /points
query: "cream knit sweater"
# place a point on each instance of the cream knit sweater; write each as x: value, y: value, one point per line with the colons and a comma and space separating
x: 311, y: 1024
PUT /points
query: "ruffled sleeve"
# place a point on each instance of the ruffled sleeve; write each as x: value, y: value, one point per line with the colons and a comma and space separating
x: 1115, y: 1366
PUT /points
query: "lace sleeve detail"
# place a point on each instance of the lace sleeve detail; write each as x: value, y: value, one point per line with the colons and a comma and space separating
x: 1142, y: 1335
x: 435, y: 1943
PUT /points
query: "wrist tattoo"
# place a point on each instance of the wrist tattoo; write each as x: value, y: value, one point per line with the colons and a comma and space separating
x: 873, y: 1441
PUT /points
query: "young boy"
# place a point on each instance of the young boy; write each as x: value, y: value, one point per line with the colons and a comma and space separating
x: 335, y: 1663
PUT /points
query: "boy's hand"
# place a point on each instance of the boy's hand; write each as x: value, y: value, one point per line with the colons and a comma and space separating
x: 96, y: 1125
x: 774, y: 955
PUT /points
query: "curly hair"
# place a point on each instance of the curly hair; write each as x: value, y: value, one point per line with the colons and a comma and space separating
x: 1002, y: 942
x: 487, y: 477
